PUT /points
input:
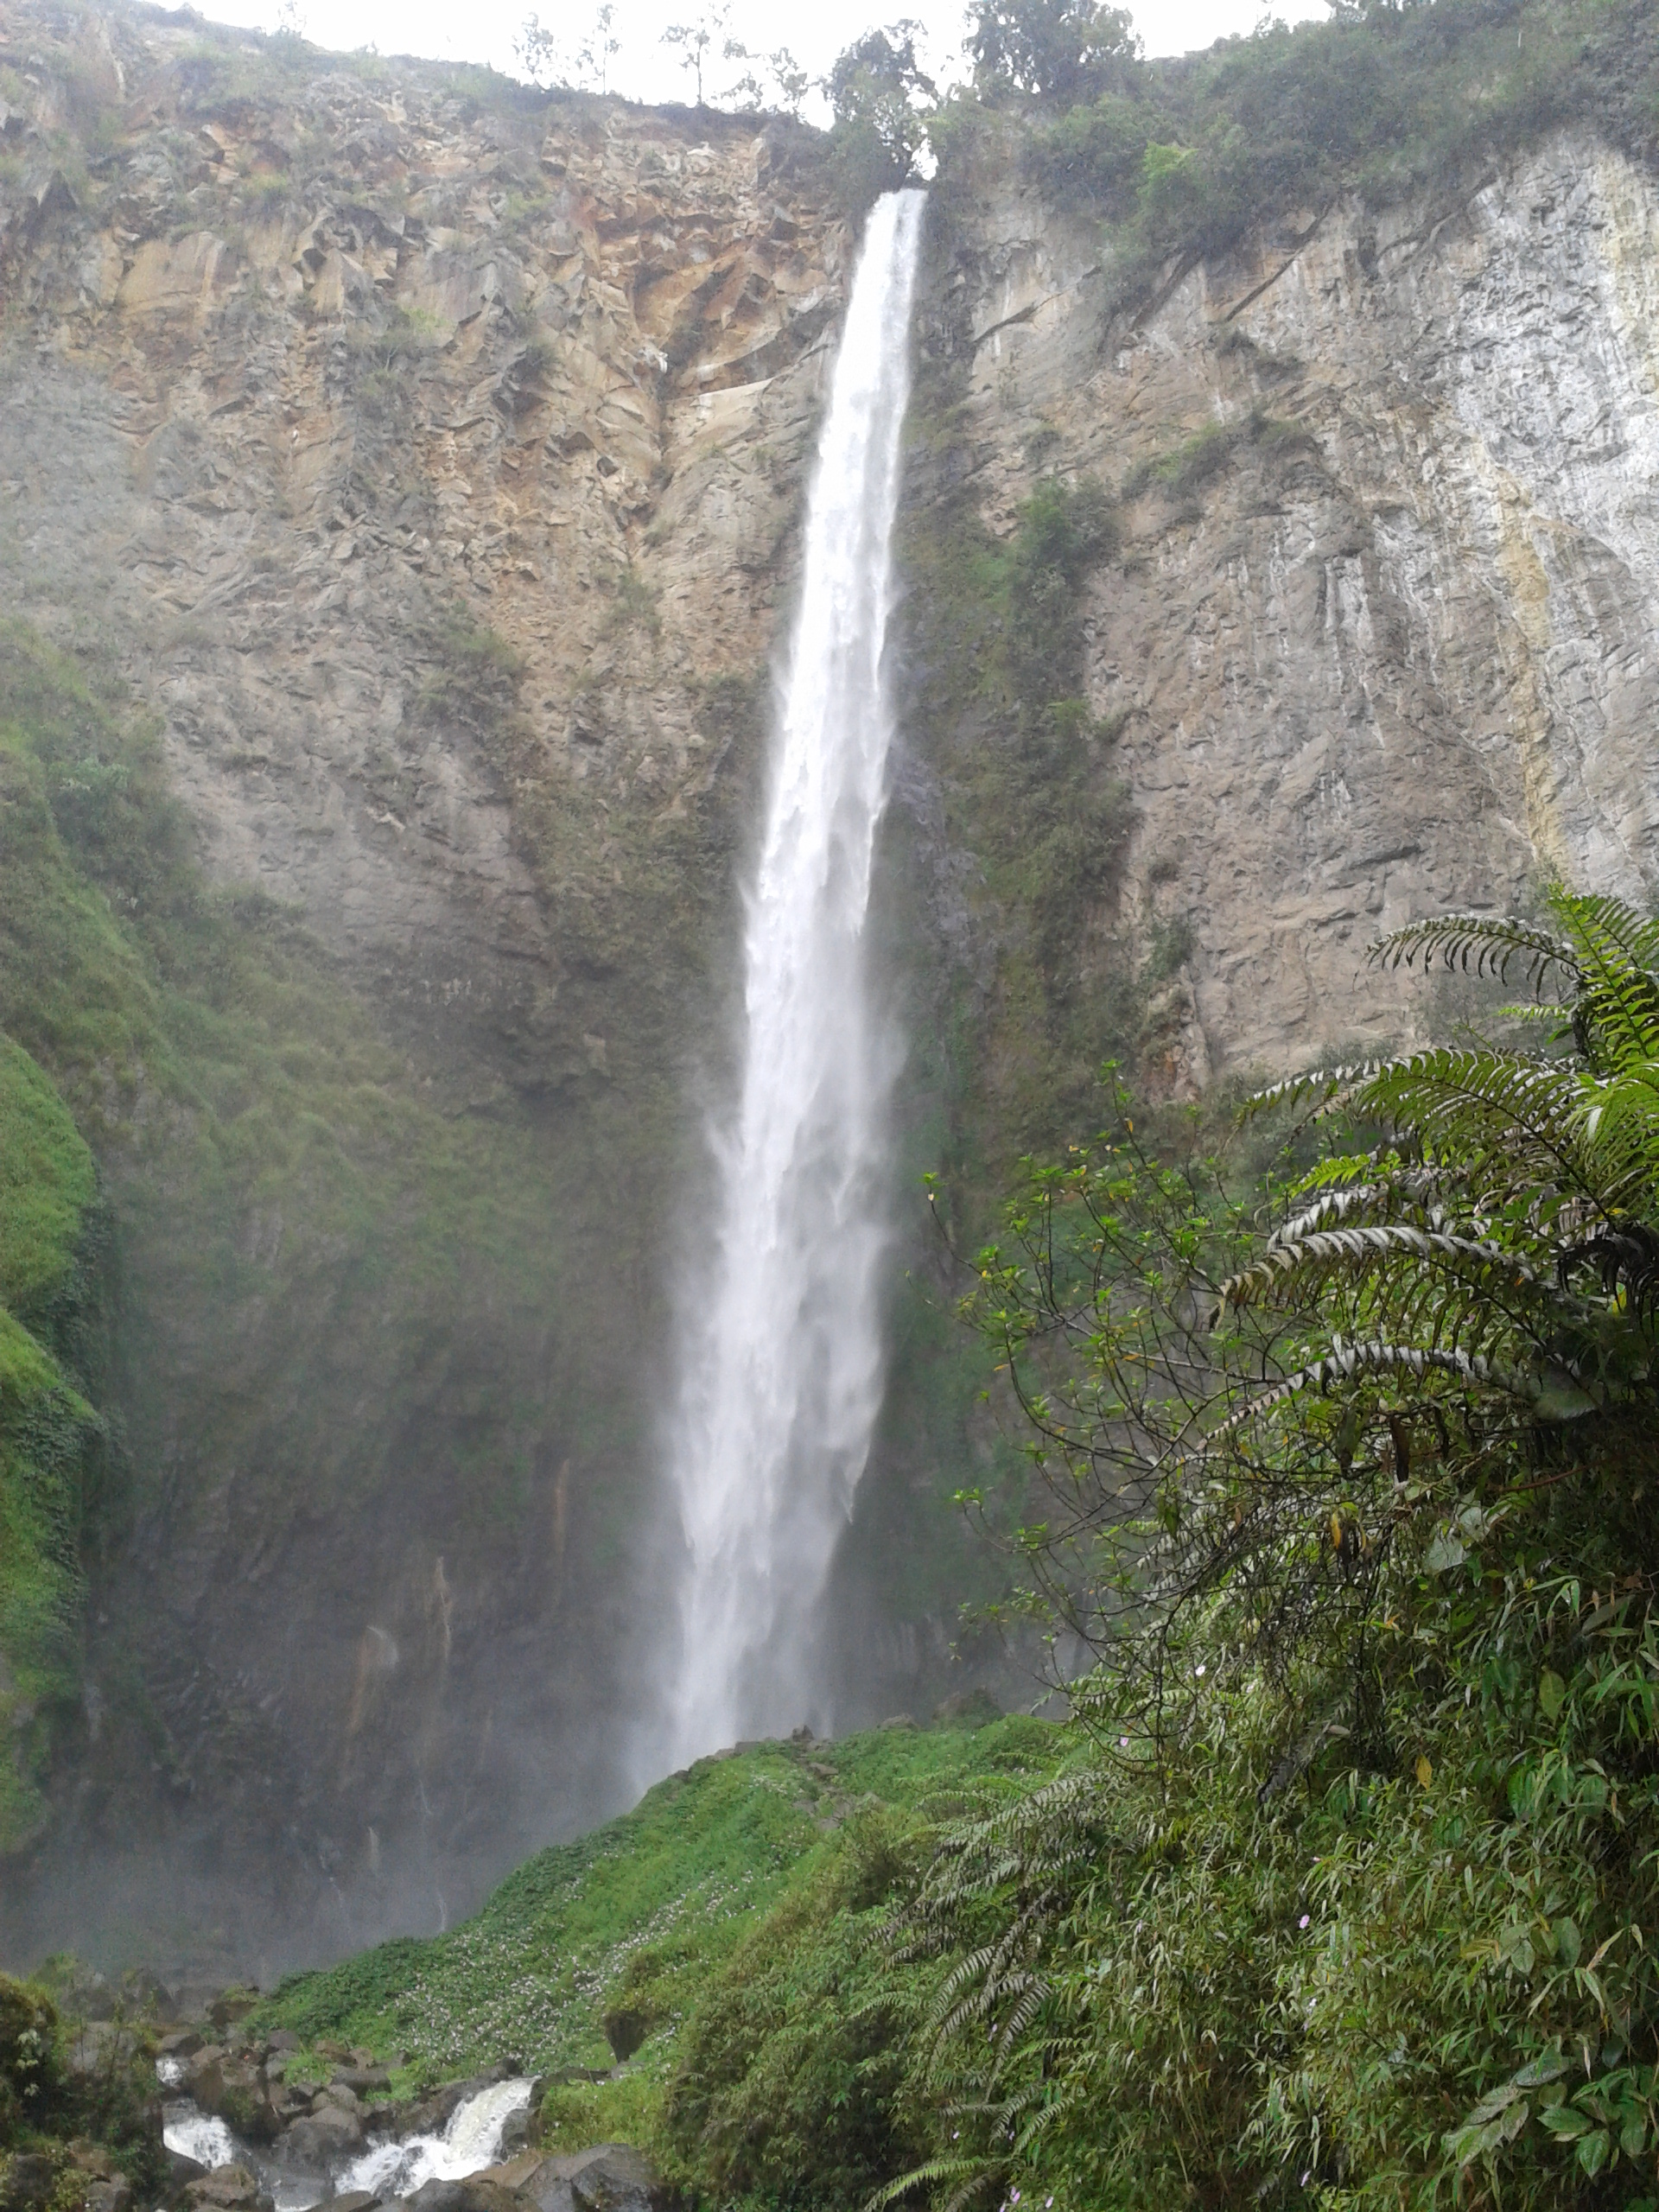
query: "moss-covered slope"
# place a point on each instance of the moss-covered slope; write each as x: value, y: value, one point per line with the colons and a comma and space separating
x: 332, y: 1334
x: 48, y: 1431
x: 709, y: 1938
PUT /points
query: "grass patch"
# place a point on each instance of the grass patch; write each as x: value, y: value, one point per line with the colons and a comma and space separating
x: 630, y: 1926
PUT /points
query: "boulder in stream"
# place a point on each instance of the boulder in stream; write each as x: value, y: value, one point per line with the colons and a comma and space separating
x: 609, y: 2177
x: 227, y: 2189
x: 323, y: 2139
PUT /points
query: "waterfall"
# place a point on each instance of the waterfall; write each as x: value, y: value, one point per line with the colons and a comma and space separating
x: 782, y: 1346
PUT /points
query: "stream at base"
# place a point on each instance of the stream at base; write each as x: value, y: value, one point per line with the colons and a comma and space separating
x: 391, y: 2168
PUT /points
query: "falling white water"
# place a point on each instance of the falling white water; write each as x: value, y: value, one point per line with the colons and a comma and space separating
x: 196, y: 2134
x: 470, y: 2142
x: 783, y: 1353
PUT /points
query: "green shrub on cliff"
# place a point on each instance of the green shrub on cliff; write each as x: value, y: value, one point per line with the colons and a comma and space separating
x: 996, y: 654
x: 65, y: 2081
x: 31, y: 2078
x: 1183, y: 157
x: 1357, y: 1902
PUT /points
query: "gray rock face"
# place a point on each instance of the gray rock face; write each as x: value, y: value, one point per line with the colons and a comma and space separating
x: 1396, y: 652
x: 227, y: 2189
x: 443, y: 505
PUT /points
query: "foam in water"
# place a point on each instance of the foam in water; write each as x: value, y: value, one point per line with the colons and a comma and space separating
x: 196, y: 2134
x: 782, y: 1350
x: 470, y: 2142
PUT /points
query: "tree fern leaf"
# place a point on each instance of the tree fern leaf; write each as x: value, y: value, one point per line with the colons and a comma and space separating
x: 1493, y: 941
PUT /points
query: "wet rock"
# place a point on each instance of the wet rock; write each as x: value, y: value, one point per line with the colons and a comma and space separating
x: 327, y: 2134
x: 183, y: 2042
x: 233, y: 2088
x: 227, y: 2189
x: 202, y: 2076
x: 478, y: 2193
x: 234, y: 2006
x: 518, y: 2129
x: 353, y: 2200
x: 432, y: 2114
x: 289, y: 2103
x: 284, y: 2039
x: 146, y: 1993
x: 182, y: 2171
x: 362, y: 2078
x: 106, y: 2188
x: 610, y: 2178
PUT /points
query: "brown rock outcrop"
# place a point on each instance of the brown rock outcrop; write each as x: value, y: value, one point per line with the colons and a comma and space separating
x: 1380, y: 638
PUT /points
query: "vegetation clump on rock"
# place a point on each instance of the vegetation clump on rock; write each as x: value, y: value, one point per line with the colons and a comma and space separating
x: 80, y: 2120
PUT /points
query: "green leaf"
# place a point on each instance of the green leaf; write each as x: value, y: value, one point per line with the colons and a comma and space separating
x: 1552, y: 1694
x: 1444, y: 1554
x: 1496, y: 2101
x: 1594, y: 2150
x: 1566, y: 2120
x: 1549, y: 2065
x: 1569, y: 1944
x: 1633, y: 2138
x: 1506, y: 2129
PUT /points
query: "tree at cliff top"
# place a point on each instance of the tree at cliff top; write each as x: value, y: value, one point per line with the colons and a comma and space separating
x: 1060, y: 50
x: 879, y: 93
x: 1183, y: 158
x: 1359, y: 1896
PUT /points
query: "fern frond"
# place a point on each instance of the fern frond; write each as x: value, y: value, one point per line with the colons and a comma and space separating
x: 1346, y: 1362
x: 1492, y: 1112
x: 1492, y: 941
x: 1332, y: 1084
x: 1307, y: 1260
x: 935, y: 2170
x: 1597, y: 922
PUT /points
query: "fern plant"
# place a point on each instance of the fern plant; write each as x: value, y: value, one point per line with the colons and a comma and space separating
x: 1343, y: 1479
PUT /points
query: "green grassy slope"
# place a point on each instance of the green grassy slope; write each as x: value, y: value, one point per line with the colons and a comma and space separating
x: 643, y: 1909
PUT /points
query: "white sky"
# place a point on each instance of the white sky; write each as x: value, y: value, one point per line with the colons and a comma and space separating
x: 485, y: 30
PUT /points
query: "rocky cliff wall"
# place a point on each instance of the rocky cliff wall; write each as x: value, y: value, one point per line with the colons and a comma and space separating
x: 425, y: 457
x: 1380, y: 638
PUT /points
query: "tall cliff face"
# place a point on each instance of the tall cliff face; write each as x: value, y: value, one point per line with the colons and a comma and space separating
x: 1380, y: 640
x: 426, y: 457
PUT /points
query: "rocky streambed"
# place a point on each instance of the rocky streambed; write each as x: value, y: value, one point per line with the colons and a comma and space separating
x: 252, y: 2125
